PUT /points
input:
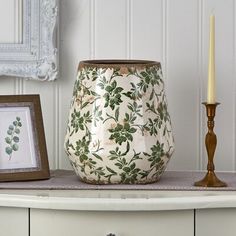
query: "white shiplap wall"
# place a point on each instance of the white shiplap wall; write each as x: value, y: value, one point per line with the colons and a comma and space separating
x: 174, y: 32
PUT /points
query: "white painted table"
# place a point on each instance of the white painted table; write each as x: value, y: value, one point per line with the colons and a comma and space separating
x: 119, y: 213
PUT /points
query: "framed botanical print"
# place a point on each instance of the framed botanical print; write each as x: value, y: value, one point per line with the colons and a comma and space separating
x: 23, y: 153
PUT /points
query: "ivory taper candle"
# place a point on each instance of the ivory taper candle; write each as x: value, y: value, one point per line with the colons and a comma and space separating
x: 211, y: 91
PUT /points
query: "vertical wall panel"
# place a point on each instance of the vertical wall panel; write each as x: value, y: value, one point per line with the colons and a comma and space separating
x: 224, y: 79
x: 183, y: 81
x: 75, y: 45
x: 234, y: 92
x: 110, y: 29
x: 173, y: 32
x: 146, y: 30
x: 7, y: 85
x: 46, y: 92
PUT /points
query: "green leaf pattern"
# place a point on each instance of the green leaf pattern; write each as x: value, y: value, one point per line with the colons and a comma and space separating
x: 12, y: 139
x: 119, y: 129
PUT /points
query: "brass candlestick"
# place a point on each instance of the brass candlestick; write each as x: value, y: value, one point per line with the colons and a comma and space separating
x: 210, y: 180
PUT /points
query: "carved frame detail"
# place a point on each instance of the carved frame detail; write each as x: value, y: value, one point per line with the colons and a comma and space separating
x: 37, y: 56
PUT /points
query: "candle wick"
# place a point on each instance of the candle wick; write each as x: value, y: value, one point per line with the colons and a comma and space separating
x: 212, y: 11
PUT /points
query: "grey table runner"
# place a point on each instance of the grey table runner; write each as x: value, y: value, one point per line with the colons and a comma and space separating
x: 171, y: 180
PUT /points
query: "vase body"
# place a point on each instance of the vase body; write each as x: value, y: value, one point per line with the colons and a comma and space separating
x: 119, y: 129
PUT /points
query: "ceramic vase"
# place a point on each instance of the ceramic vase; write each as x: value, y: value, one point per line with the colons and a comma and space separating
x: 119, y: 129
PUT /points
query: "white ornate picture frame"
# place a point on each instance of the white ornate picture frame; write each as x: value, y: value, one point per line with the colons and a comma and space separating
x: 36, y: 56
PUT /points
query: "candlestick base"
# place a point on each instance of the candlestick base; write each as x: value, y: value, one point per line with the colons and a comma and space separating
x: 210, y: 180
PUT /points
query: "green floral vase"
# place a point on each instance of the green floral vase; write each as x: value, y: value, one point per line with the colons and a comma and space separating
x: 119, y: 129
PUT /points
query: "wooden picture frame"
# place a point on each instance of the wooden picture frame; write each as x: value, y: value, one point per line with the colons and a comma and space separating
x: 23, y: 152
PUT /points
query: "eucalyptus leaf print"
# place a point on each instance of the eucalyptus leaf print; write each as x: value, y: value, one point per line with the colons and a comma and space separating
x: 119, y: 129
x: 12, y: 139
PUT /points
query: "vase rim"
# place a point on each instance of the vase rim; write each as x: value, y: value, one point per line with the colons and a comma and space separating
x: 110, y: 63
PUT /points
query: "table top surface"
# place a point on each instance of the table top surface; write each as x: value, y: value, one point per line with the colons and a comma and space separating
x: 117, y: 200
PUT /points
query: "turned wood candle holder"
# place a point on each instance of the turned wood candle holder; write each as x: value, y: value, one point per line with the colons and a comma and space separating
x: 210, y: 180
